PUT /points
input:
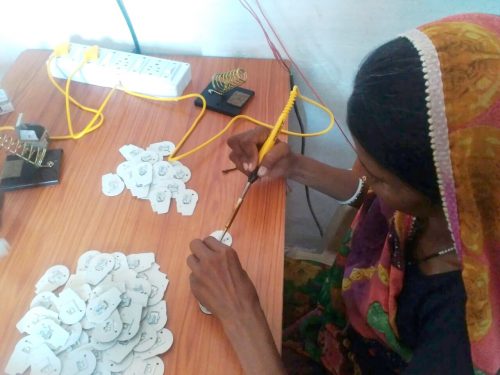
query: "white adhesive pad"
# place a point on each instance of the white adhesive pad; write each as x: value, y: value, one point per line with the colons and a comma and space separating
x: 149, y: 177
x: 227, y: 240
x: 108, y: 317
x: 4, y: 247
x: 112, y: 184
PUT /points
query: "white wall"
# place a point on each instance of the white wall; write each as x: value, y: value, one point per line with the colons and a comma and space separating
x: 327, y: 38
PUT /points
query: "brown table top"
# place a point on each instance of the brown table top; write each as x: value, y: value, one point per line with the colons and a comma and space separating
x: 53, y: 225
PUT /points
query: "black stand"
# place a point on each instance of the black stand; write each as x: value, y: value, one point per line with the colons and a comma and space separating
x: 231, y: 103
x: 19, y: 174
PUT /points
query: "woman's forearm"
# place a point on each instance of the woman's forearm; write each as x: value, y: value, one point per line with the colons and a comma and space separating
x: 253, y: 342
x: 338, y: 183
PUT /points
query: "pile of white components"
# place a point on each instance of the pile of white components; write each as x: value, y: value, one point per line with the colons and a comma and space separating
x: 108, y: 317
x: 140, y: 73
x: 149, y: 177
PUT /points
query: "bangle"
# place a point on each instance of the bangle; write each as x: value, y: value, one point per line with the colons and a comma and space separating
x: 359, y: 190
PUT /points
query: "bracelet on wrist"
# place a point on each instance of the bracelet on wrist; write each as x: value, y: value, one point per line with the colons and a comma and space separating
x: 357, y: 193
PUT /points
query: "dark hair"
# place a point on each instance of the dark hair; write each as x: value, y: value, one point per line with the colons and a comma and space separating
x: 387, y: 115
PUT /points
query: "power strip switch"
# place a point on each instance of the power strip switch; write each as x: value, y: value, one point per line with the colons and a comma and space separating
x: 144, y: 74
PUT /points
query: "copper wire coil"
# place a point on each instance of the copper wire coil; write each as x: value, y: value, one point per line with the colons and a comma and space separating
x: 28, y: 152
x: 225, y: 82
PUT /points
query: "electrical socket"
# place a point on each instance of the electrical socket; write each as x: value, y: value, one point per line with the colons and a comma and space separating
x: 148, y: 75
x: 121, y: 60
x: 154, y: 67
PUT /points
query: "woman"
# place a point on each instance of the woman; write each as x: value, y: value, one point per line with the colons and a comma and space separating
x: 416, y: 286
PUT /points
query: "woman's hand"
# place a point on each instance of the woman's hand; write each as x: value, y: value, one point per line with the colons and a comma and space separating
x: 245, y: 153
x: 219, y: 282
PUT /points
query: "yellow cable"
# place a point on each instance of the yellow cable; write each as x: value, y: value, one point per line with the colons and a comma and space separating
x: 176, y: 99
x: 61, y: 90
x: 66, y: 96
x: 3, y: 128
x: 92, y: 53
x: 283, y: 116
x: 90, y: 126
x: 318, y: 133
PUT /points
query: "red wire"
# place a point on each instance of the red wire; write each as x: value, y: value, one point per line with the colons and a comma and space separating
x: 289, y: 56
x: 275, y: 51
x: 278, y: 56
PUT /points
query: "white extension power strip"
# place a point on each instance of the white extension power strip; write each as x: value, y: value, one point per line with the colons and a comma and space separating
x: 144, y: 74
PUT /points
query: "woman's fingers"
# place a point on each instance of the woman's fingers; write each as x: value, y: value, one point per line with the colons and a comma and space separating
x: 245, y: 154
x: 272, y: 164
x: 193, y: 262
x: 217, y: 279
x: 245, y: 148
x: 198, y: 249
x: 214, y: 244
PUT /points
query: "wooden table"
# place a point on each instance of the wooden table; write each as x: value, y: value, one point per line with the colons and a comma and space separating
x: 55, y: 225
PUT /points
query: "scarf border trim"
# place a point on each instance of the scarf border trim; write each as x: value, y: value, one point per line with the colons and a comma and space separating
x: 438, y: 129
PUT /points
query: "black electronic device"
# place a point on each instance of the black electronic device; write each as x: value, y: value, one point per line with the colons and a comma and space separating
x: 224, y: 95
x: 19, y: 174
x: 31, y: 164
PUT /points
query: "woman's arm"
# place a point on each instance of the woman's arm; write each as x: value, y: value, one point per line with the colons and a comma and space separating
x: 335, y: 182
x: 338, y: 183
x: 253, y: 342
x: 220, y: 284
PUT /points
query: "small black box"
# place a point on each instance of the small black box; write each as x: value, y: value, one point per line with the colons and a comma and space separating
x: 19, y: 174
x: 231, y: 103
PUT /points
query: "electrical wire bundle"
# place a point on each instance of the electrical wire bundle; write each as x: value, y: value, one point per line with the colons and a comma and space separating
x: 277, y: 55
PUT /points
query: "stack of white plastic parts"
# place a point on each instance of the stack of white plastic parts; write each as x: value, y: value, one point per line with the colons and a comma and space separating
x: 108, y: 317
x: 148, y: 176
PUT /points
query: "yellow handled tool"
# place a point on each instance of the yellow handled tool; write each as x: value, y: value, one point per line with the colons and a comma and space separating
x: 265, y: 148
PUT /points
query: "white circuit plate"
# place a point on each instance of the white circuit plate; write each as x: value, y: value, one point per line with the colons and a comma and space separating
x: 118, y: 352
x: 112, y: 185
x: 131, y: 152
x: 227, y: 240
x: 44, y: 362
x: 70, y: 306
x: 100, y: 308
x: 33, y: 316
x: 19, y: 361
x: 186, y: 202
x: 150, y: 366
x: 99, y: 267
x: 140, y: 262
x: 163, y: 343
x: 84, y: 260
x: 79, y: 362
x: 52, y: 279
x: 149, y: 156
x: 181, y: 172
x: 108, y: 330
x: 156, y: 316
x: 164, y: 148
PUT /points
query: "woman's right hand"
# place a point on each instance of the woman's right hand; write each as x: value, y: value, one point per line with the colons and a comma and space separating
x: 278, y: 162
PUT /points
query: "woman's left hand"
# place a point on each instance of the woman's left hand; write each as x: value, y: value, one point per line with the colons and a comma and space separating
x: 219, y: 282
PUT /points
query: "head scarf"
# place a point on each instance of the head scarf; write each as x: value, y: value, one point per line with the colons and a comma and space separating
x: 460, y: 57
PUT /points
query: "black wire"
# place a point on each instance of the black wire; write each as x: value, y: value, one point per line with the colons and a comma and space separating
x: 302, y: 151
x: 137, y: 48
